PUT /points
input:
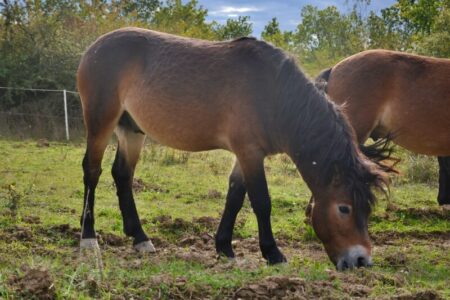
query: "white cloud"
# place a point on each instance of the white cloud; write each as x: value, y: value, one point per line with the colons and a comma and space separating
x: 235, y: 10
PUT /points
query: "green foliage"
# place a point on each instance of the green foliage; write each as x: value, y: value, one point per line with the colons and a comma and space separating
x: 41, y: 42
x: 421, y: 169
x: 234, y: 28
x: 184, y: 19
x: 437, y: 43
x: 13, y: 199
x: 328, y: 30
x: 273, y: 34
x: 384, y: 32
x: 419, y: 15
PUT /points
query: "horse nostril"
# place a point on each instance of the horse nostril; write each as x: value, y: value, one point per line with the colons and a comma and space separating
x: 344, y: 265
x: 362, y: 262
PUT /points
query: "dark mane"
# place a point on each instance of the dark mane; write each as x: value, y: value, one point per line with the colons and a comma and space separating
x: 244, y: 38
x: 380, y: 152
x: 321, y: 81
x: 322, y: 141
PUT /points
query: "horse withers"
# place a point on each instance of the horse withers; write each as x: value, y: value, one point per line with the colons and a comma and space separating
x: 244, y: 96
x: 398, y: 94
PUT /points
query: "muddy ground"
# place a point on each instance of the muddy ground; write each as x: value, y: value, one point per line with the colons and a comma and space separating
x: 197, y: 248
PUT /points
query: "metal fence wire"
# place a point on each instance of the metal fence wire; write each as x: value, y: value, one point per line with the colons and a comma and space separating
x: 56, y: 116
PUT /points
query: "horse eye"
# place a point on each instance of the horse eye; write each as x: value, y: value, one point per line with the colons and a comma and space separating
x: 344, y: 209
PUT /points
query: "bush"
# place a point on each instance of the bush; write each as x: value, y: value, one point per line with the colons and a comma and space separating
x: 421, y: 169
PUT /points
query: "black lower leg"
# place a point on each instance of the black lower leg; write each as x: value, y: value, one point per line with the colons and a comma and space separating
x: 444, y: 180
x: 123, y: 177
x: 87, y: 215
x: 235, y: 199
x: 267, y: 242
x: 261, y: 204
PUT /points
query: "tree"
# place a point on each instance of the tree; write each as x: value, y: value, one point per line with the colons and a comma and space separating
x: 328, y: 31
x: 234, y: 28
x: 139, y: 10
x: 273, y: 34
x: 437, y: 43
x: 388, y: 30
x: 184, y: 19
x: 419, y: 15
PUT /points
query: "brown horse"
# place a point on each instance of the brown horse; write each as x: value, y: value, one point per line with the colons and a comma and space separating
x: 244, y: 96
x: 401, y: 95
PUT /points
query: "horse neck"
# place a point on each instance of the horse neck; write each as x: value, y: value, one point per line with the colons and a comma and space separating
x: 314, y: 133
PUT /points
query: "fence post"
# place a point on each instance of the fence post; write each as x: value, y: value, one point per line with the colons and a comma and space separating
x: 66, y: 117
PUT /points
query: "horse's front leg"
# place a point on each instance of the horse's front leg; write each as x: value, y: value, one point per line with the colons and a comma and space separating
x: 235, y: 199
x: 252, y: 166
x: 444, y: 181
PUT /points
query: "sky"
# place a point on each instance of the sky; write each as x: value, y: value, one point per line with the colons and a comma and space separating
x: 287, y: 12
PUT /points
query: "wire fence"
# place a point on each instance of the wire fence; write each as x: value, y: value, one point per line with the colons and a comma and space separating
x: 54, y: 115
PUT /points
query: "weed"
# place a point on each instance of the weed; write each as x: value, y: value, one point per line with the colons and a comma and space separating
x: 421, y: 169
x: 182, y: 207
x: 13, y: 199
x: 174, y: 157
x: 309, y: 234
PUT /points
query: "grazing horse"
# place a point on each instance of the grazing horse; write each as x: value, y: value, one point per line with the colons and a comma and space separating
x: 244, y: 96
x: 402, y: 95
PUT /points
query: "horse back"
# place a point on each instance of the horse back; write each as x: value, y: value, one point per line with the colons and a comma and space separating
x: 393, y: 92
x: 172, y: 86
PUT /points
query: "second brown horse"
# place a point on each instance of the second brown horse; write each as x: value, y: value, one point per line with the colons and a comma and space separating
x: 244, y: 96
x: 398, y: 94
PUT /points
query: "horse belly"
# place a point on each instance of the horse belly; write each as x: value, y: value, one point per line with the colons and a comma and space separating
x: 420, y: 129
x: 184, y: 127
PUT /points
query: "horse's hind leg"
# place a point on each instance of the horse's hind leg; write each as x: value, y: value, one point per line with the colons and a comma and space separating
x: 101, y: 110
x: 129, y: 148
x: 235, y: 199
x: 96, y: 145
x: 444, y: 180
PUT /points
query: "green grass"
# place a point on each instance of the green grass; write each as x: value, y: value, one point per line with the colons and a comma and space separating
x: 41, y: 197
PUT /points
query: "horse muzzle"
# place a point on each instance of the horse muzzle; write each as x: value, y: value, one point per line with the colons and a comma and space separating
x: 354, y: 257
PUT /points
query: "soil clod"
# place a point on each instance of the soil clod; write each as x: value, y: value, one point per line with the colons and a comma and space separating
x: 35, y: 283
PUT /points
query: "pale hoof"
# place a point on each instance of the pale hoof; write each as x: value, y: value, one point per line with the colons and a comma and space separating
x: 145, y: 247
x: 89, y: 244
x: 446, y: 207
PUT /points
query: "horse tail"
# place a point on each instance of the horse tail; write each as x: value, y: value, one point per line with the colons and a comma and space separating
x: 380, y: 152
x: 321, y: 81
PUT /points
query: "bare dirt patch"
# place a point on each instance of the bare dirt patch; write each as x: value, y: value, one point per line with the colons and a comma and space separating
x: 31, y: 219
x: 140, y: 186
x: 207, y: 222
x: 414, y: 212
x: 214, y: 194
x: 17, y: 233
x: 389, y: 237
x: 284, y: 287
x: 422, y: 295
x: 396, y: 259
x: 178, y: 225
x: 34, y: 283
x: 43, y: 143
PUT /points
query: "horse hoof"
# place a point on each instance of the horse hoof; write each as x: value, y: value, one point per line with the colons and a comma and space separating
x: 224, y: 258
x: 446, y: 207
x: 89, y: 244
x: 145, y: 247
x: 277, y: 261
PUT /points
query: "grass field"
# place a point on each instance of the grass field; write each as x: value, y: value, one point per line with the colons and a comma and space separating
x: 180, y: 197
